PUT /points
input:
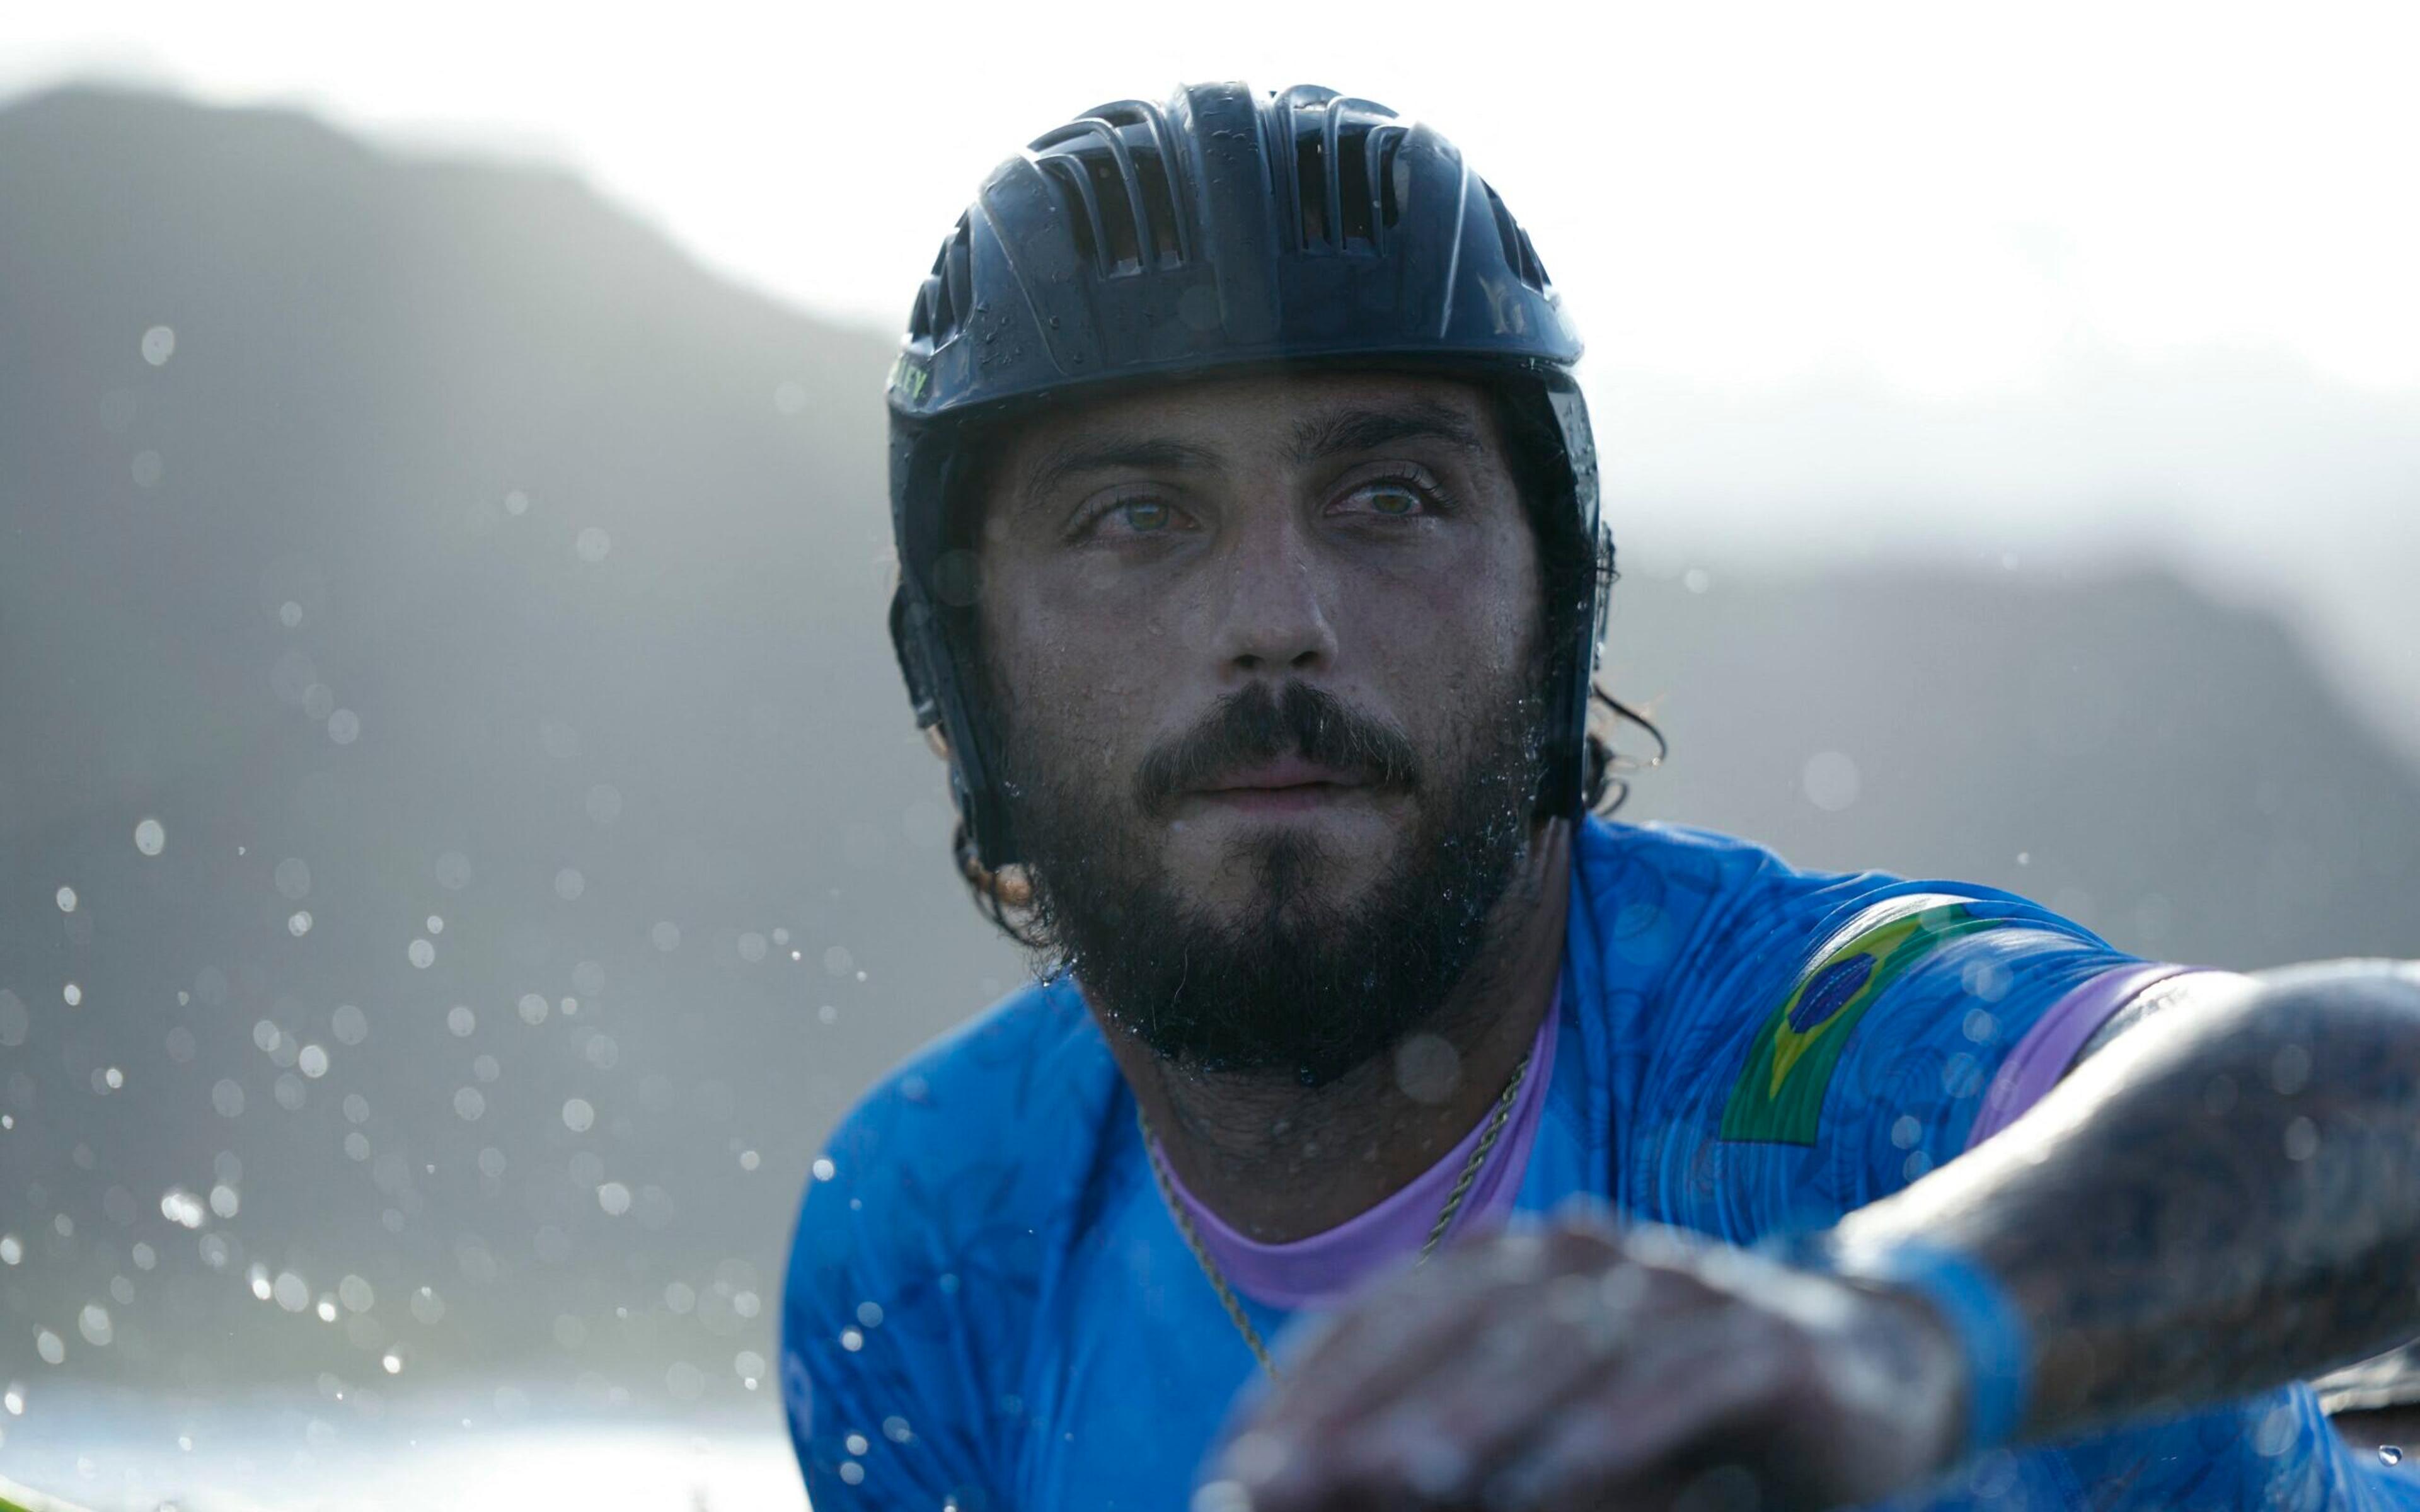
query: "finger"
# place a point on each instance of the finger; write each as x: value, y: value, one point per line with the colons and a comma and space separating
x: 1552, y: 1343
x: 1695, y: 1395
x: 1400, y: 1327
x: 1412, y: 1331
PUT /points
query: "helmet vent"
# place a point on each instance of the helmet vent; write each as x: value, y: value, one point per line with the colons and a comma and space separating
x: 1114, y: 176
x: 1518, y: 255
x: 941, y: 303
x: 1345, y: 196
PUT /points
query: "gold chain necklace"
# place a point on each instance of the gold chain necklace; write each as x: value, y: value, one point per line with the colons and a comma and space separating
x: 1217, y: 1279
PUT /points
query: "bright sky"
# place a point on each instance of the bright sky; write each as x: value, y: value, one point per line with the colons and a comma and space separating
x: 1856, y: 276
x: 1940, y: 196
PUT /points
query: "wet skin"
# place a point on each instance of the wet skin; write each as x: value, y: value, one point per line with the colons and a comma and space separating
x: 1144, y: 559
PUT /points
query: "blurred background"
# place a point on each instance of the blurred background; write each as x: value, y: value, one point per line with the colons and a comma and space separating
x: 462, y: 843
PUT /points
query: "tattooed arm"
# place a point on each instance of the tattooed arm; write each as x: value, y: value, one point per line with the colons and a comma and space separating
x: 2222, y: 1198
x: 2218, y: 1201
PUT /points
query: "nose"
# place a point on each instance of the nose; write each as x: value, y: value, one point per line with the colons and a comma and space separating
x: 1275, y: 610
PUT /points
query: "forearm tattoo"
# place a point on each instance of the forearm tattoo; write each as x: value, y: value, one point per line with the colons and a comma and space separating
x: 2222, y: 1200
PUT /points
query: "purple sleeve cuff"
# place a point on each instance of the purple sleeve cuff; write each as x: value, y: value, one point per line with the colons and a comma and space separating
x: 2048, y: 1049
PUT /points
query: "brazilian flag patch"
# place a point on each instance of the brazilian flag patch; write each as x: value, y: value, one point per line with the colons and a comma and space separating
x: 1779, y: 1094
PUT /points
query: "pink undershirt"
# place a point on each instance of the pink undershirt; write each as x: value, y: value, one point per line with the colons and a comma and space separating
x: 1307, y: 1273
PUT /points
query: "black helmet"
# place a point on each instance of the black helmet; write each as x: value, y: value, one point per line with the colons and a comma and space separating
x: 1224, y: 230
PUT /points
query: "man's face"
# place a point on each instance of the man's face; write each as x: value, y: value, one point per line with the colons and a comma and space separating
x: 1266, y: 656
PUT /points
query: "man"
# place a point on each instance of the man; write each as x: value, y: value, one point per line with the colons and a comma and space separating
x: 1252, y: 580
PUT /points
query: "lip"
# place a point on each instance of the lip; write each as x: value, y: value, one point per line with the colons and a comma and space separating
x: 1289, y: 785
x: 1286, y: 772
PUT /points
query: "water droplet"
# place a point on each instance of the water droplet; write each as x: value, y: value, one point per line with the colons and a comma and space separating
x: 227, y: 1097
x: 290, y: 1292
x: 226, y: 1201
x: 851, y: 1340
x: 614, y: 1198
x: 149, y: 837
x: 299, y: 923
x: 11, y: 1249
x: 2390, y: 1454
x: 748, y: 1160
x: 14, y: 1400
x: 393, y: 1362
x: 66, y: 899
x: 469, y: 1102
x: 666, y: 934
x: 435, y: 924
x: 311, y: 1062
x: 516, y: 502
x: 2302, y: 1139
x: 823, y: 1169
x: 570, y: 883
x: 73, y: 994
x: 421, y: 953
x: 344, y: 727
x: 349, y: 1023
x: 159, y: 344
x: 578, y: 1115
x: 593, y: 545
x: 460, y: 1021
x: 290, y: 614
x: 114, y: 1078
x: 427, y: 1306
x: 52, y: 1348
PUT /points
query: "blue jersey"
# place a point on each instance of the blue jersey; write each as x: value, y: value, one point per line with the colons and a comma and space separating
x: 989, y: 1306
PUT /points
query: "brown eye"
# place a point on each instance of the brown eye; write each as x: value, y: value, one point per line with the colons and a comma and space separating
x: 1393, y: 499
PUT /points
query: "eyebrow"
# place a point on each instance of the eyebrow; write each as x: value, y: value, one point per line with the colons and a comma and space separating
x: 1366, y: 430
x: 1115, y: 454
x: 1339, y: 431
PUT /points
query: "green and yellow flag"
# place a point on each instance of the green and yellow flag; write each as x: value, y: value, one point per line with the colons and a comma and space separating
x: 1779, y: 1095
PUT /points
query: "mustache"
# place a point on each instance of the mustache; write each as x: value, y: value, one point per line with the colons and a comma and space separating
x: 1256, y: 726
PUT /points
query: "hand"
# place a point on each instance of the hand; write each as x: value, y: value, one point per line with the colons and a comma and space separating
x: 1582, y: 1368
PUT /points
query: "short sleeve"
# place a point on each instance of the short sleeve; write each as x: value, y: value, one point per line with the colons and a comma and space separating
x: 1885, y: 1049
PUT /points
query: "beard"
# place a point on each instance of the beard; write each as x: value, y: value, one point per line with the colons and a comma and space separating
x: 1302, y: 982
